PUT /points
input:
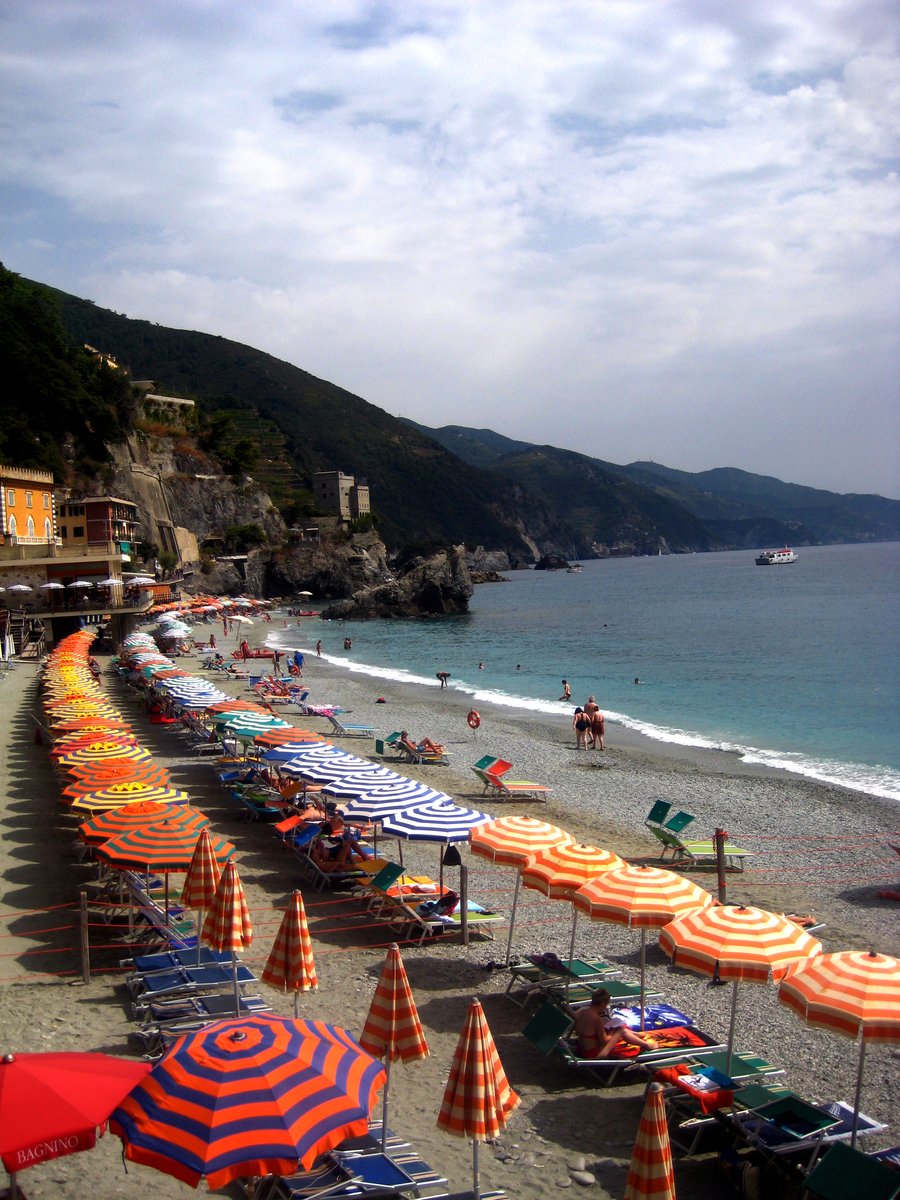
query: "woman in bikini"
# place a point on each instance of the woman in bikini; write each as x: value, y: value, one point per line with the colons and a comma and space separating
x: 599, y: 1032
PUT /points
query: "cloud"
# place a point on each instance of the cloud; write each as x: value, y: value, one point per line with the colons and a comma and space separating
x: 598, y: 224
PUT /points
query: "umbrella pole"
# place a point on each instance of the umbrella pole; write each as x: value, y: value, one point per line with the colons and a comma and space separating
x: 13, y: 1186
x: 384, y: 1103
x: 234, y: 979
x: 734, y: 989
x: 512, y: 917
x: 296, y: 1003
x: 643, y: 970
x: 476, y: 1186
x: 199, y: 939
x: 571, y: 950
x: 856, y: 1098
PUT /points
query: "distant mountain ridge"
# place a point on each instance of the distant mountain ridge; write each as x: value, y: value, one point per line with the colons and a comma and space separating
x: 734, y: 507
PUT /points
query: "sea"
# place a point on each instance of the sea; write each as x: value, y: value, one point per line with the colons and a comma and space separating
x: 793, y: 666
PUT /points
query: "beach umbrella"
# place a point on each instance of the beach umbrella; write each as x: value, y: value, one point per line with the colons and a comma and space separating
x: 149, y: 775
x: 361, y: 780
x: 390, y: 798
x: 80, y: 583
x: 642, y: 898
x: 89, y: 725
x: 226, y: 706
x: 141, y: 812
x: 440, y: 821
x: 103, y: 751
x: 290, y: 964
x: 19, y: 587
x: 51, y: 586
x: 651, y: 1175
x: 201, y: 881
x: 511, y: 842
x: 126, y: 793
x: 737, y: 942
x: 392, y: 1028
x: 855, y: 993
x: 227, y: 926
x: 81, y: 739
x: 560, y: 871
x: 271, y: 738
x: 54, y: 1104
x: 164, y: 846
x: 281, y: 755
x: 262, y: 1095
x: 478, y: 1100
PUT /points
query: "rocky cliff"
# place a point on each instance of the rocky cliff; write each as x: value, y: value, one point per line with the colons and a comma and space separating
x: 437, y: 585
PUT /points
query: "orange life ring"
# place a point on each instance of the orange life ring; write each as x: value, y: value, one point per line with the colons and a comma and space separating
x: 473, y: 719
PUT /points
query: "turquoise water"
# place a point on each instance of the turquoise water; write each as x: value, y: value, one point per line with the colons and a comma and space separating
x: 793, y: 666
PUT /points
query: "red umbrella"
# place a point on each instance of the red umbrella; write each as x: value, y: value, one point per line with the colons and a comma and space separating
x: 650, y: 1175
x: 257, y: 1096
x: 227, y: 925
x: 149, y: 775
x: 142, y: 812
x: 393, y: 1029
x: 53, y: 1104
x: 478, y: 1100
x: 201, y: 881
x: 291, y: 964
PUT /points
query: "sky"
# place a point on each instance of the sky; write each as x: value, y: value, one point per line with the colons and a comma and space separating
x: 640, y: 230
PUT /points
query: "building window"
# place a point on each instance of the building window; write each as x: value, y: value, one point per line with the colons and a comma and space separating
x: 11, y: 498
x: 45, y: 499
x: 12, y: 526
x: 63, y: 531
x: 77, y: 531
x: 29, y: 499
x: 48, y: 529
x: 31, y: 527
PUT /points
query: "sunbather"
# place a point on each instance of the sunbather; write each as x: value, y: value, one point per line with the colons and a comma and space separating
x: 334, y: 854
x: 599, y: 1032
x: 426, y: 746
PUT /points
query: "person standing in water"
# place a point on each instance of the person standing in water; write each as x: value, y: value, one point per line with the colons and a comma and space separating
x: 567, y: 691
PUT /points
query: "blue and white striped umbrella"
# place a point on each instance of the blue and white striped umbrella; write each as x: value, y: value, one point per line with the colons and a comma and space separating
x: 286, y: 752
x: 382, y: 802
x: 305, y: 758
x: 362, y: 781
x: 325, y: 751
x: 436, y: 821
x: 325, y: 772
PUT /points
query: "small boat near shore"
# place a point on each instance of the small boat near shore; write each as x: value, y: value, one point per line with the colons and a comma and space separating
x: 776, y: 558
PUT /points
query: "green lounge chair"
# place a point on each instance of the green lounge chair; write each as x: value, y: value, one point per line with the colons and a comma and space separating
x: 694, y: 852
x: 845, y: 1174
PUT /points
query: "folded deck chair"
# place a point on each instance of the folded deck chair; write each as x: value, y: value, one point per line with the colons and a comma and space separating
x: 658, y: 813
x: 694, y: 852
x: 499, y: 785
x: 846, y: 1174
x: 343, y: 730
x: 143, y: 988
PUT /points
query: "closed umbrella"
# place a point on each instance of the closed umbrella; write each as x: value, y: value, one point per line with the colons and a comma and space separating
x: 290, y: 964
x: 560, y: 871
x: 227, y: 926
x: 511, y: 842
x: 650, y: 1173
x: 855, y: 993
x: 640, y: 897
x: 737, y: 942
x: 393, y: 1029
x: 201, y: 881
x: 478, y: 1100
x: 262, y: 1095
x: 53, y: 1104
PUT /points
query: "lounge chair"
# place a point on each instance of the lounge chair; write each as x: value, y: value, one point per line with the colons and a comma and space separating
x: 843, y: 1173
x: 530, y: 978
x: 786, y: 1126
x: 499, y: 785
x: 658, y: 818
x: 156, y: 984
x: 550, y: 1028
x: 408, y: 749
x: 694, y: 852
x: 336, y: 1176
x: 342, y: 730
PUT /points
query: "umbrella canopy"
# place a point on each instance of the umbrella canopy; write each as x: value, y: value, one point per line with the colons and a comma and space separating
x: 114, y: 821
x: 390, y: 798
x: 271, y: 738
x: 290, y: 964
x: 115, y: 797
x: 855, y: 993
x: 118, y: 772
x: 251, y: 1097
x: 166, y: 845
x: 645, y: 897
x: 478, y: 1100
x: 103, y: 751
x: 360, y: 781
x: 149, y: 775
x: 51, y: 586
x: 650, y: 1174
x: 737, y: 942
x: 511, y: 842
x: 201, y: 881
x: 227, y: 925
x: 437, y: 821
x: 52, y: 1104
x: 393, y: 1029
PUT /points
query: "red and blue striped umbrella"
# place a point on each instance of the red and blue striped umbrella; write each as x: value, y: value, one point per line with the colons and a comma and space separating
x: 250, y: 1097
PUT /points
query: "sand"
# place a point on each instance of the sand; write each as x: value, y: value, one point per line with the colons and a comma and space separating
x: 816, y: 849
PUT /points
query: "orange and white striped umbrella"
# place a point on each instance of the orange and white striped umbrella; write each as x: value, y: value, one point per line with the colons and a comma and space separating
x: 201, y: 881
x: 562, y: 870
x: 291, y: 964
x: 477, y: 1100
x: 650, y: 1174
x: 393, y: 1029
x: 227, y: 925
x: 737, y: 942
x: 855, y: 993
x: 641, y: 897
x: 511, y: 842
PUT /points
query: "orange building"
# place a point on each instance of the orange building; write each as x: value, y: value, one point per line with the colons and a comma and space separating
x: 27, y: 509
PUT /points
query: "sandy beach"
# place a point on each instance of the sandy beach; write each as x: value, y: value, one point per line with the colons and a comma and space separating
x: 815, y: 849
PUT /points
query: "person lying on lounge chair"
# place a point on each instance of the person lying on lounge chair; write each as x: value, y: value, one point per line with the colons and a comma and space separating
x: 336, y: 853
x: 426, y: 746
x: 599, y: 1032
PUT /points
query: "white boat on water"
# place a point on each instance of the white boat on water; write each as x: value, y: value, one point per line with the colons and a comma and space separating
x: 775, y: 558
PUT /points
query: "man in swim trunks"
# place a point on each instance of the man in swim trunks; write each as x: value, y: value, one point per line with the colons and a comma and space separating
x: 599, y: 1032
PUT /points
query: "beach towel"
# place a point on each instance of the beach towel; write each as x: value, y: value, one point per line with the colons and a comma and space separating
x: 656, y: 1016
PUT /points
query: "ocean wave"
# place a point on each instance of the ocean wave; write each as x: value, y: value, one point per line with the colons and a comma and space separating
x: 871, y: 780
